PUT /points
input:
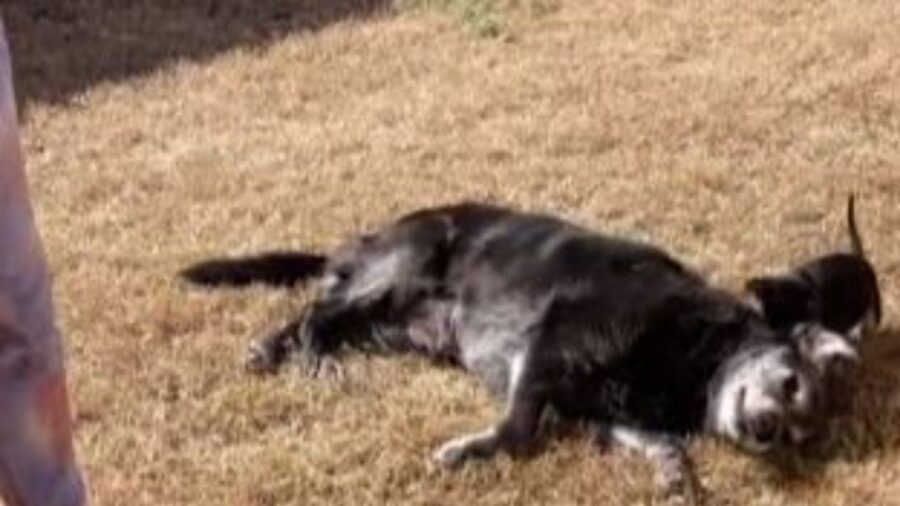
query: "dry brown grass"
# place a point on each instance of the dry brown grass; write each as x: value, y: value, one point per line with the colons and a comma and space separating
x: 728, y: 131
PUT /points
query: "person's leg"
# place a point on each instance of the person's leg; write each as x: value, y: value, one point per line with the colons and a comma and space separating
x: 37, y: 464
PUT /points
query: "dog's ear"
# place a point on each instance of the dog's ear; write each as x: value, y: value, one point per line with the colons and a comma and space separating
x: 784, y: 300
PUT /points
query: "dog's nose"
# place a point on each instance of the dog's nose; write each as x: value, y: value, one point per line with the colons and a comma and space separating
x: 765, y: 428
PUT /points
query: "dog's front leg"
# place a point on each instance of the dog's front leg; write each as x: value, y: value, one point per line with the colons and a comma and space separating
x: 514, y: 434
x: 674, y: 470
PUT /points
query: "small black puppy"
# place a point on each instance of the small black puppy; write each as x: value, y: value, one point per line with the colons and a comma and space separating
x: 839, y: 291
x: 834, y: 298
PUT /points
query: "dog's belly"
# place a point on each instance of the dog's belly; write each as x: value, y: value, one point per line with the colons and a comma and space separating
x: 492, y: 341
x: 491, y: 360
x: 429, y: 330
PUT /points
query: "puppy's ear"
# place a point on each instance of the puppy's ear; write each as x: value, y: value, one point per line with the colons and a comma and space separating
x: 784, y: 300
x: 823, y: 348
x: 836, y: 360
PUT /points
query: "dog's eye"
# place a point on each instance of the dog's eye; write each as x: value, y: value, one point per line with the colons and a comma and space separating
x: 790, y: 385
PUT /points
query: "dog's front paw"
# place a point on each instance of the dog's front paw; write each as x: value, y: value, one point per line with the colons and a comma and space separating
x: 479, y: 445
x: 260, y: 360
x: 451, y: 454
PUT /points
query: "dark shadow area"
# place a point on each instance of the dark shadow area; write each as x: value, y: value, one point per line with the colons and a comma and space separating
x: 873, y: 425
x: 63, y: 47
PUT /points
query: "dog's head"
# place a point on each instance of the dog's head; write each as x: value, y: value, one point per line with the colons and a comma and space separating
x: 777, y: 394
x: 768, y: 397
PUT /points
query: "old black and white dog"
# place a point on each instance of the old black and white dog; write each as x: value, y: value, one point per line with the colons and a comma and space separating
x: 553, y: 316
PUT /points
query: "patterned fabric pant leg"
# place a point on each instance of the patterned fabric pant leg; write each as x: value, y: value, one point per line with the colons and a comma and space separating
x: 37, y: 463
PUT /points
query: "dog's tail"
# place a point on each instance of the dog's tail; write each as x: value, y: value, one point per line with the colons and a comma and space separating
x: 856, y: 244
x: 279, y: 268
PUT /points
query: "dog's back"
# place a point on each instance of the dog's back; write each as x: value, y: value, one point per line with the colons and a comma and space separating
x: 588, y: 310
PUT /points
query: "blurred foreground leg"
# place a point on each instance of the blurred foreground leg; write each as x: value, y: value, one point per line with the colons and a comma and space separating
x: 37, y: 464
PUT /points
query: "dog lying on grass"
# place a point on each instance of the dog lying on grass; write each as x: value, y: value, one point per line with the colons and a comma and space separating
x: 550, y: 315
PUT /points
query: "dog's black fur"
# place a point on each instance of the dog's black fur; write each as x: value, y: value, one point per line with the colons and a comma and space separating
x: 838, y: 290
x: 551, y: 315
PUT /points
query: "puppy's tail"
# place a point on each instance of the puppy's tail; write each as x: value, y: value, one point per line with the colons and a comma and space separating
x: 856, y: 244
x: 280, y: 268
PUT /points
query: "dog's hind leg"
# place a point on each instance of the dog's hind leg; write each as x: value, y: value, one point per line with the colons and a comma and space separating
x: 369, y: 284
x: 674, y: 470
x: 514, y: 434
x: 312, y: 338
x: 267, y: 353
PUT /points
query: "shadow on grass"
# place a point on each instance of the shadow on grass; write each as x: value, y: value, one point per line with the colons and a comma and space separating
x: 62, y: 48
x: 871, y: 428
x: 876, y: 417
